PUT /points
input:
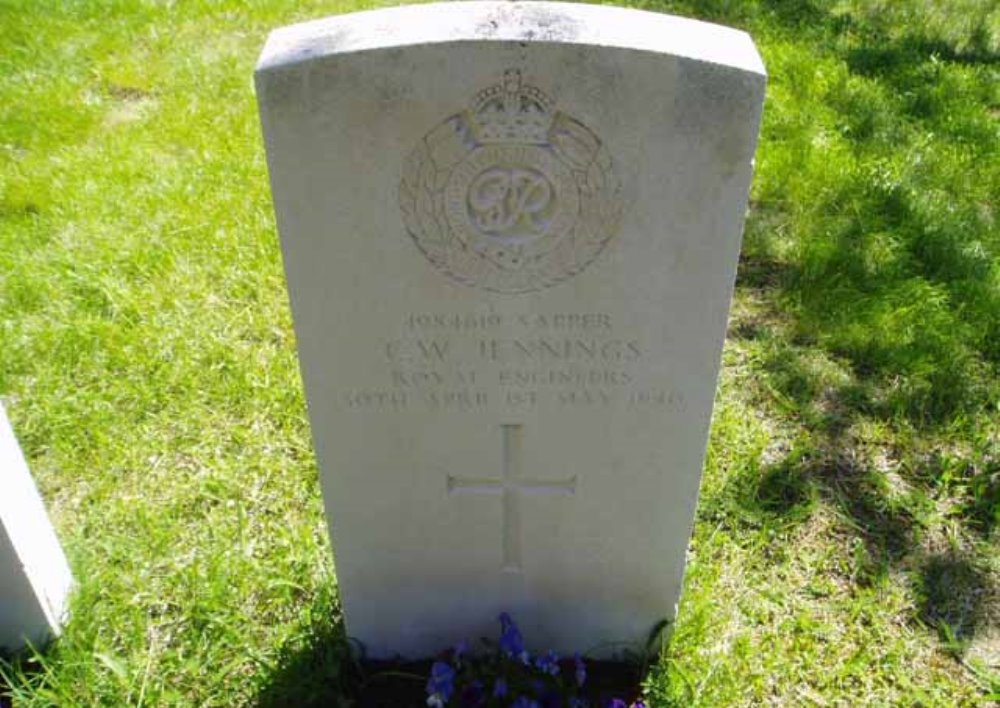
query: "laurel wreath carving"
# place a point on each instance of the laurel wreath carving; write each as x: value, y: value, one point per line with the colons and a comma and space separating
x: 597, y: 202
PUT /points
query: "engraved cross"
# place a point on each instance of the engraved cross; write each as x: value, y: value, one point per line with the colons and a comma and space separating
x: 510, y: 486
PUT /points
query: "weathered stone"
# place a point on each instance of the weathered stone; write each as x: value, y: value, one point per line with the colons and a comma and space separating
x: 510, y: 232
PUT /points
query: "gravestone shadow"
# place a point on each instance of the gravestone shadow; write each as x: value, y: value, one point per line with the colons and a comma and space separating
x: 320, y: 668
x: 19, y: 668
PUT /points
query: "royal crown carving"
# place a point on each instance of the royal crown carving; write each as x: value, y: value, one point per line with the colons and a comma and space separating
x: 511, y: 194
x: 511, y: 112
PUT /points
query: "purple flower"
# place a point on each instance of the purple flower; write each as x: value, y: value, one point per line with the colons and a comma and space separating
x: 548, y: 663
x: 511, y: 642
x: 580, y: 672
x: 638, y: 704
x: 523, y: 702
x: 441, y: 684
x: 500, y: 688
x: 617, y: 703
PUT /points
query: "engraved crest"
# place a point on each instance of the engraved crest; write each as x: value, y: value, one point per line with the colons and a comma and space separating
x: 510, y: 195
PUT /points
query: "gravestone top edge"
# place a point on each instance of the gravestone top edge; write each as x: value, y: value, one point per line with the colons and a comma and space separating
x: 542, y: 22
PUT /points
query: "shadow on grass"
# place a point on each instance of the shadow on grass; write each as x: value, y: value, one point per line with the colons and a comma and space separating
x: 785, y: 493
x: 322, y: 667
x: 888, y: 507
x: 882, y: 61
x: 874, y: 224
x: 318, y: 667
x: 953, y: 589
x: 327, y: 669
x: 19, y: 670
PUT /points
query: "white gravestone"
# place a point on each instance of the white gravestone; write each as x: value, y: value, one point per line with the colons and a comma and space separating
x: 510, y: 232
x: 34, y: 577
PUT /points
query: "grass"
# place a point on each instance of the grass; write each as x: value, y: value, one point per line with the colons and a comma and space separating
x: 845, y: 550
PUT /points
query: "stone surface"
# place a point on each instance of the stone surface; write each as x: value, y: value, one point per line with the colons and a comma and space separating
x: 34, y: 577
x: 510, y: 233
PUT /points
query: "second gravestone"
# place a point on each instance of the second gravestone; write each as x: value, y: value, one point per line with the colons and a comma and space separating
x: 35, y: 579
x: 510, y: 233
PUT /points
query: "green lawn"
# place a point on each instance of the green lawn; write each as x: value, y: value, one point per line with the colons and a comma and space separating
x: 846, y: 548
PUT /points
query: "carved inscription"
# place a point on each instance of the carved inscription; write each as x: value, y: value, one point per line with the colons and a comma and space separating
x: 510, y: 195
x: 472, y: 361
x: 512, y: 205
x: 510, y: 486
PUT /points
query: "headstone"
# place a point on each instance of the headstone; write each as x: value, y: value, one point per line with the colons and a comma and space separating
x: 510, y: 233
x: 34, y: 577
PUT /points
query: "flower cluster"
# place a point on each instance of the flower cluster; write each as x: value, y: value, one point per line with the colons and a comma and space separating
x: 509, y: 677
